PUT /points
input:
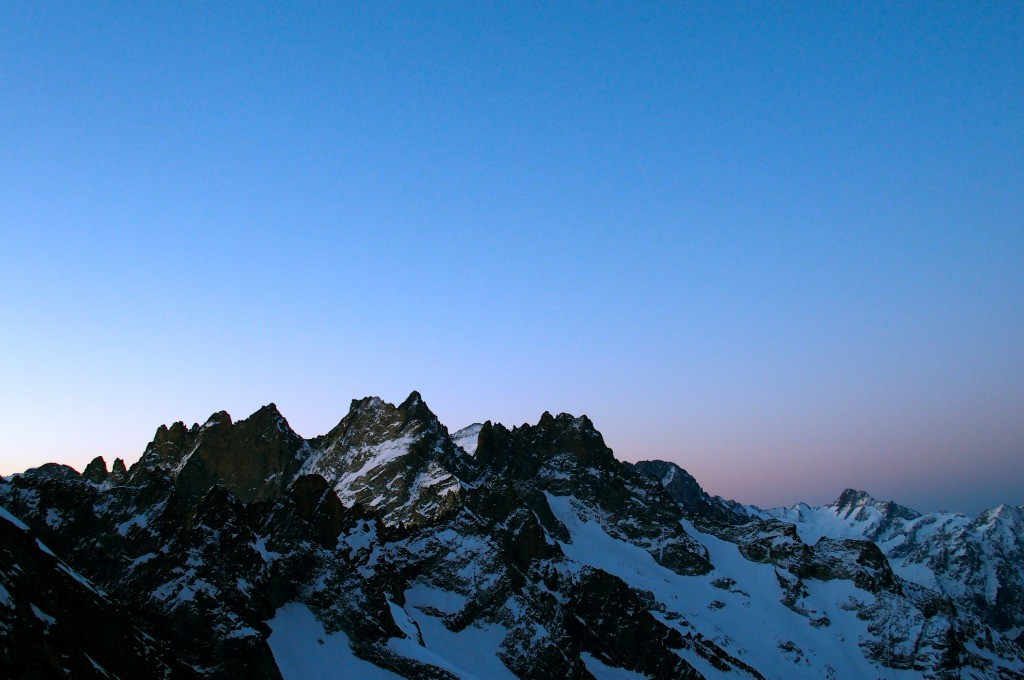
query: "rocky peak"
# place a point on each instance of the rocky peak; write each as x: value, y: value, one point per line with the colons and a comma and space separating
x: 398, y: 460
x: 678, y: 482
x: 267, y: 423
x: 174, y: 435
x: 415, y: 409
x: 166, y: 449
x: 857, y: 505
x: 224, y: 418
x: 51, y: 471
x: 697, y: 504
x: 467, y: 437
x: 255, y: 458
x: 1003, y: 528
x: 96, y: 471
x: 266, y: 420
x: 555, y: 442
x: 118, y: 472
x: 565, y: 457
x: 1002, y: 512
x: 852, y: 499
x: 371, y: 420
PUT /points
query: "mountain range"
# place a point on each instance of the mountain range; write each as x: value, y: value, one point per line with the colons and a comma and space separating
x: 391, y: 547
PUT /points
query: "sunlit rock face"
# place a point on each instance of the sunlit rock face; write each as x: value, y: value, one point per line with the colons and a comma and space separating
x: 389, y: 547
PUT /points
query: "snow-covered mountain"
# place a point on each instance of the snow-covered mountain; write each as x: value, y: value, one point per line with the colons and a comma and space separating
x: 391, y: 548
x: 978, y: 562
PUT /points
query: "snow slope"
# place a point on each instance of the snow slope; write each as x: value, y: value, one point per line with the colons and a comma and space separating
x: 746, y: 618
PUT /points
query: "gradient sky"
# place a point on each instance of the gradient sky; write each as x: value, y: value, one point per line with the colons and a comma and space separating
x: 779, y: 244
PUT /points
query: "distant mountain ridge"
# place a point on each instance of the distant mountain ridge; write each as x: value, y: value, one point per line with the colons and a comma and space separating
x: 976, y: 561
x: 389, y: 547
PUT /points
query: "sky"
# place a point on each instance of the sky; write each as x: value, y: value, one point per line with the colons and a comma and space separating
x: 780, y: 244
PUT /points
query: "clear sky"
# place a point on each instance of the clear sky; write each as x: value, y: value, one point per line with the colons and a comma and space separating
x: 779, y: 244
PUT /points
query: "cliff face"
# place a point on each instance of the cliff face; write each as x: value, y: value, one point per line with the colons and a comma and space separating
x: 54, y: 623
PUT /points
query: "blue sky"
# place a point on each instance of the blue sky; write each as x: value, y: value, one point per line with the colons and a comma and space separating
x: 780, y: 245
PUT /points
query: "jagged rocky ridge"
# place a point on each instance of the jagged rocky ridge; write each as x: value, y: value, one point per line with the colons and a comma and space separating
x: 389, y: 547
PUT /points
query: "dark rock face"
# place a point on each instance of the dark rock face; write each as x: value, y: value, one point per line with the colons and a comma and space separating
x: 679, y: 483
x: 118, y: 472
x: 698, y: 506
x: 51, y: 471
x: 566, y: 456
x: 96, y: 471
x: 534, y: 544
x: 614, y: 622
x: 255, y: 458
x: 774, y: 542
x: 316, y: 501
x: 53, y: 623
